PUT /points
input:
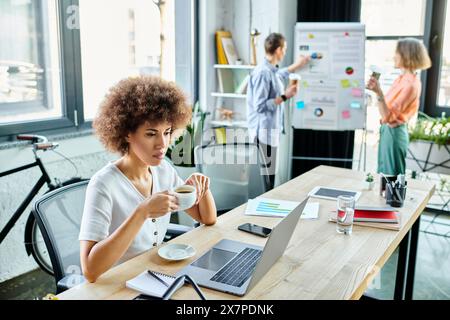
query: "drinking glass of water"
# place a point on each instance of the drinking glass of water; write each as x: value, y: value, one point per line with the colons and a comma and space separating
x: 345, y: 213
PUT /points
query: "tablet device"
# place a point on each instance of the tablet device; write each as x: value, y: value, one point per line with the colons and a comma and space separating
x: 332, y: 193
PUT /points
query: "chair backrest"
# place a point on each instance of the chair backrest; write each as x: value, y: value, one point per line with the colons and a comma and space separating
x: 235, y: 171
x: 59, y: 214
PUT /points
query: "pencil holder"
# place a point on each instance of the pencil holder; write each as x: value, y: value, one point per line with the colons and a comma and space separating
x: 395, y: 197
x: 383, y: 181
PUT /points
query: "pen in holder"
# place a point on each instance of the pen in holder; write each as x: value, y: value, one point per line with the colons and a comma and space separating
x: 395, y: 195
x: 384, y: 180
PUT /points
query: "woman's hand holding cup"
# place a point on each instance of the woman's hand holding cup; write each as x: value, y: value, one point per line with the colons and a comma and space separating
x: 201, y: 184
x: 374, y: 85
x: 159, y: 204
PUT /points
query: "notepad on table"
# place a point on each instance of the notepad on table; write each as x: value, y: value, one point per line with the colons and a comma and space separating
x: 149, y: 285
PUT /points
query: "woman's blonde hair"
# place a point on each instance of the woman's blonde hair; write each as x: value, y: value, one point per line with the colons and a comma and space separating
x: 413, y: 54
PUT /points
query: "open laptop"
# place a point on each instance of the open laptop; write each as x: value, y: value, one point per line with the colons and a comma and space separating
x: 235, y: 267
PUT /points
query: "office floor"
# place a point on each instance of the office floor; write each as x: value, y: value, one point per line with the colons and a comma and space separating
x: 432, y: 278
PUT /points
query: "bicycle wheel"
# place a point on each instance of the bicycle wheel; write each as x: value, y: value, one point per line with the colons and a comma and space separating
x: 39, y: 249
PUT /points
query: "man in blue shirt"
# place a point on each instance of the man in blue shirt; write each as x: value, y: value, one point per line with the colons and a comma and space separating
x: 265, y: 99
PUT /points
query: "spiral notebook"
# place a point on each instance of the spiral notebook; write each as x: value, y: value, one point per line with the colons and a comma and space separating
x: 150, y: 285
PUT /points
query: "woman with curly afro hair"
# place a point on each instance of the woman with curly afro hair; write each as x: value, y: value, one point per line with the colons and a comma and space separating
x: 129, y: 201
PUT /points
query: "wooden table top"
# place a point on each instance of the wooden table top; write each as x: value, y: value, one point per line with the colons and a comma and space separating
x: 318, y: 263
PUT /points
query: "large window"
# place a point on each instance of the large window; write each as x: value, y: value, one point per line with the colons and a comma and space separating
x: 30, y: 81
x: 387, y: 21
x: 427, y: 20
x: 58, y: 58
x: 127, y: 42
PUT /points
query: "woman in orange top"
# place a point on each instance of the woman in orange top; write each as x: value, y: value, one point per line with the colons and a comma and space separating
x: 399, y: 105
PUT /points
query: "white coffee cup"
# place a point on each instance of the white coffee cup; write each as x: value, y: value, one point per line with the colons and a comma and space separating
x: 187, y: 195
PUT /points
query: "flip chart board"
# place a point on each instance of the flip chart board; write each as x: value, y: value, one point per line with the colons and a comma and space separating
x: 331, y: 92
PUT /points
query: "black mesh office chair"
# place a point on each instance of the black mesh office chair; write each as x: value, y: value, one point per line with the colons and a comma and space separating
x: 235, y: 170
x: 58, y: 214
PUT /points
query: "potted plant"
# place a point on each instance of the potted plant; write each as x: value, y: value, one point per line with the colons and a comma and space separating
x: 429, y: 145
x: 370, y: 181
x: 181, y: 152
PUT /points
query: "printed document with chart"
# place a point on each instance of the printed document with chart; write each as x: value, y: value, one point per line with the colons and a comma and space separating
x: 279, y: 208
x: 331, y: 93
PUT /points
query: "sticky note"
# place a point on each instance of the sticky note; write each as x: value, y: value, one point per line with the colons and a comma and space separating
x: 355, y: 83
x: 345, y: 83
x: 346, y: 114
x: 310, y: 36
x: 355, y: 105
x: 357, y: 92
x: 305, y: 84
x: 300, y: 105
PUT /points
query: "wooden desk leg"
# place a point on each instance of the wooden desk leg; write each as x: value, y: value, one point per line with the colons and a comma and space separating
x: 402, y: 268
x: 412, y: 260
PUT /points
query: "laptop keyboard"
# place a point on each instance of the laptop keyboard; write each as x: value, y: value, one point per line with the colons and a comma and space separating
x: 238, y: 270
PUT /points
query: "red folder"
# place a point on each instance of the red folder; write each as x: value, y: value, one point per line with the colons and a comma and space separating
x: 376, y: 216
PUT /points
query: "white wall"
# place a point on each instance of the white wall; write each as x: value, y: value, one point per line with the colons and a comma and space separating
x: 90, y: 158
x: 213, y: 16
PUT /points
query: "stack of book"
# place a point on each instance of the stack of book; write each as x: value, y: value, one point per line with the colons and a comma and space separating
x: 377, y: 217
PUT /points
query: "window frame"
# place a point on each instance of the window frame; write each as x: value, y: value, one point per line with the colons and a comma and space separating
x: 435, y: 46
x: 39, y: 29
x: 70, y: 83
x: 435, y: 15
x: 72, y: 119
x: 425, y: 38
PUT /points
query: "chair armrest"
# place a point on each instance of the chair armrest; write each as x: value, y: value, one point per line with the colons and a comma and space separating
x: 69, y: 282
x: 178, y: 229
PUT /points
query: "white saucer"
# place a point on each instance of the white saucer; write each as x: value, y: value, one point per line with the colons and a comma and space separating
x: 176, y: 252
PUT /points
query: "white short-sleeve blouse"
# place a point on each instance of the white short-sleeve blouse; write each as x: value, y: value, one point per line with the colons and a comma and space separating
x: 111, y: 198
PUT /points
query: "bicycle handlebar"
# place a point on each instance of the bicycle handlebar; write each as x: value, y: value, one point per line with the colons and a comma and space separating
x: 39, y: 142
x: 45, y: 146
x: 33, y: 138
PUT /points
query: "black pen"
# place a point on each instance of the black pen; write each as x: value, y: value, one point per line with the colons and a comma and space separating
x: 157, y: 278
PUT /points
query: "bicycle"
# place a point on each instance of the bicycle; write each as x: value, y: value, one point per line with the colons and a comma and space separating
x: 34, y: 243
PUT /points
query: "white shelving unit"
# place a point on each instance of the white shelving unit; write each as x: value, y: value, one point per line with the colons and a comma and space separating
x: 225, y: 123
x: 226, y: 95
x: 234, y: 66
x: 229, y: 95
